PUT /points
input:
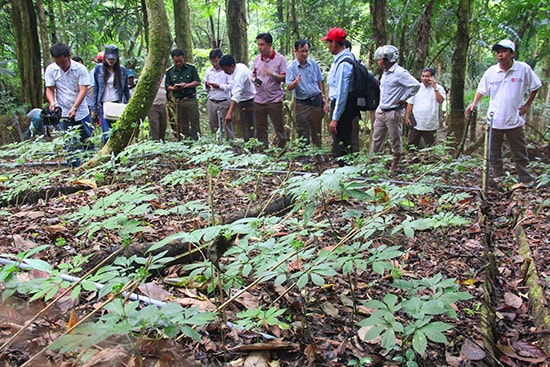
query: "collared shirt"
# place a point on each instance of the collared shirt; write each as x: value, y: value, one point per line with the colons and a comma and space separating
x: 242, y: 88
x: 339, y: 80
x: 160, y: 98
x: 271, y: 90
x: 218, y: 76
x: 425, y: 107
x: 310, y: 77
x: 506, y: 89
x: 187, y: 74
x: 67, y: 86
x: 396, y: 85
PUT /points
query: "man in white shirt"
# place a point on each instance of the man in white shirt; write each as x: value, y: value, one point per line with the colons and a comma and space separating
x: 506, y: 84
x: 242, y: 95
x: 422, y: 114
x: 218, y: 86
x: 66, y: 84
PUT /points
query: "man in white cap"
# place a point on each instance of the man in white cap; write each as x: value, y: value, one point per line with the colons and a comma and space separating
x: 396, y: 86
x: 506, y: 83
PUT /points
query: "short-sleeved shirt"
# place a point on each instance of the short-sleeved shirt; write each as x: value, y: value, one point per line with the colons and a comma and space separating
x: 67, y: 87
x: 396, y: 85
x: 507, y: 90
x: 310, y: 77
x: 271, y: 90
x: 187, y: 74
x: 425, y: 107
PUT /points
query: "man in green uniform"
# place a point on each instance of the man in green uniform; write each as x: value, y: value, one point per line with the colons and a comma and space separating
x: 182, y: 80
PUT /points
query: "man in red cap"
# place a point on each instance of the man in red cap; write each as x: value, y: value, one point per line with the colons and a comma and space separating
x: 343, y: 110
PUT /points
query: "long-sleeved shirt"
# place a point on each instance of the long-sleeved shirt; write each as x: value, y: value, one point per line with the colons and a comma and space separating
x: 218, y: 76
x: 339, y: 80
x: 396, y: 85
x: 243, y: 88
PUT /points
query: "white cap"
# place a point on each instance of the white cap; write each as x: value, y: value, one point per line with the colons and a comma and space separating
x: 505, y: 44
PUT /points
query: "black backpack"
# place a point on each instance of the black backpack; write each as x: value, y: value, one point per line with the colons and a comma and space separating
x: 366, y: 87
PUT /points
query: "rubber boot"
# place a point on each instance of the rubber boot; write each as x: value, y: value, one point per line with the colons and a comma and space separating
x: 395, y: 162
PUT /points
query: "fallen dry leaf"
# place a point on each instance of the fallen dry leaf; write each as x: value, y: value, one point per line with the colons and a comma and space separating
x: 512, y: 300
x: 472, y: 351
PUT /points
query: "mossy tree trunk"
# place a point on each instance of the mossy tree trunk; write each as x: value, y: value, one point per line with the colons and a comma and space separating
x: 155, y: 65
x: 237, y: 29
x: 44, y: 39
x: 28, y: 51
x: 182, y: 28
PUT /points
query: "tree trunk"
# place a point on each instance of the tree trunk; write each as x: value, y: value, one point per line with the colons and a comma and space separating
x: 236, y: 29
x: 182, y: 28
x: 44, y: 39
x: 423, y: 39
x: 153, y: 70
x: 457, y: 121
x: 378, y: 12
x: 28, y: 51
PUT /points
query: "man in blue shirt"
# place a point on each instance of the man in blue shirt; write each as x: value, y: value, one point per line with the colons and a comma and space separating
x: 342, y: 109
x: 305, y: 80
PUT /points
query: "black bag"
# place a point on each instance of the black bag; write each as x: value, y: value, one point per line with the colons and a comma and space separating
x: 366, y: 88
x: 51, y: 117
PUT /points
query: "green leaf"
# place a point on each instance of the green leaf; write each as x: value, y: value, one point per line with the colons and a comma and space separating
x: 434, y: 331
x: 38, y: 264
x: 302, y: 281
x: 373, y: 332
x: 388, y: 339
x: 317, y: 279
x: 419, y: 342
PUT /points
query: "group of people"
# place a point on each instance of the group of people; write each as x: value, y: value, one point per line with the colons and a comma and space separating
x: 257, y: 95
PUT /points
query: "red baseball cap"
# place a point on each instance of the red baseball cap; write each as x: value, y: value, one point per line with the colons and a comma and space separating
x: 335, y: 34
x: 100, y: 55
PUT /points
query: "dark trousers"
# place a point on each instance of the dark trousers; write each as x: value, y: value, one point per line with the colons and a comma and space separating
x: 309, y: 118
x: 188, y: 124
x: 414, y: 136
x: 518, y: 148
x: 275, y: 112
x: 342, y: 142
x: 247, y: 113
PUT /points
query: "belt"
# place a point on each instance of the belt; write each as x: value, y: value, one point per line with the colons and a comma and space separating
x: 391, y: 109
x: 218, y: 100
x: 310, y: 98
x: 185, y: 98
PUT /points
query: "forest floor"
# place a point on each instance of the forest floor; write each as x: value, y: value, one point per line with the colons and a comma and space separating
x: 319, y: 322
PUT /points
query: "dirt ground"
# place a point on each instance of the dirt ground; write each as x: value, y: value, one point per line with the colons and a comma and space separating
x: 323, y: 323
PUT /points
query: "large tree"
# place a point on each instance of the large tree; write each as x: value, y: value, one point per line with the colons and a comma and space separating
x: 28, y: 51
x: 160, y: 42
x: 457, y: 122
x: 237, y: 29
x: 182, y: 28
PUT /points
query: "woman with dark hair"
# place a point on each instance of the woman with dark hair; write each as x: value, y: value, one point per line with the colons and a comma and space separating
x: 110, y: 85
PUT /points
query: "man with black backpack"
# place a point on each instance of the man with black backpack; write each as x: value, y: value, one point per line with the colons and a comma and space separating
x: 396, y: 86
x: 342, y: 108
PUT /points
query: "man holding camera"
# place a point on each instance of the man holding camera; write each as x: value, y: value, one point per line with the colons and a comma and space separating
x: 182, y: 80
x: 67, y: 83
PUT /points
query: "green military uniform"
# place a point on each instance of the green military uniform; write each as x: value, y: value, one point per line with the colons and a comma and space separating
x: 187, y: 107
